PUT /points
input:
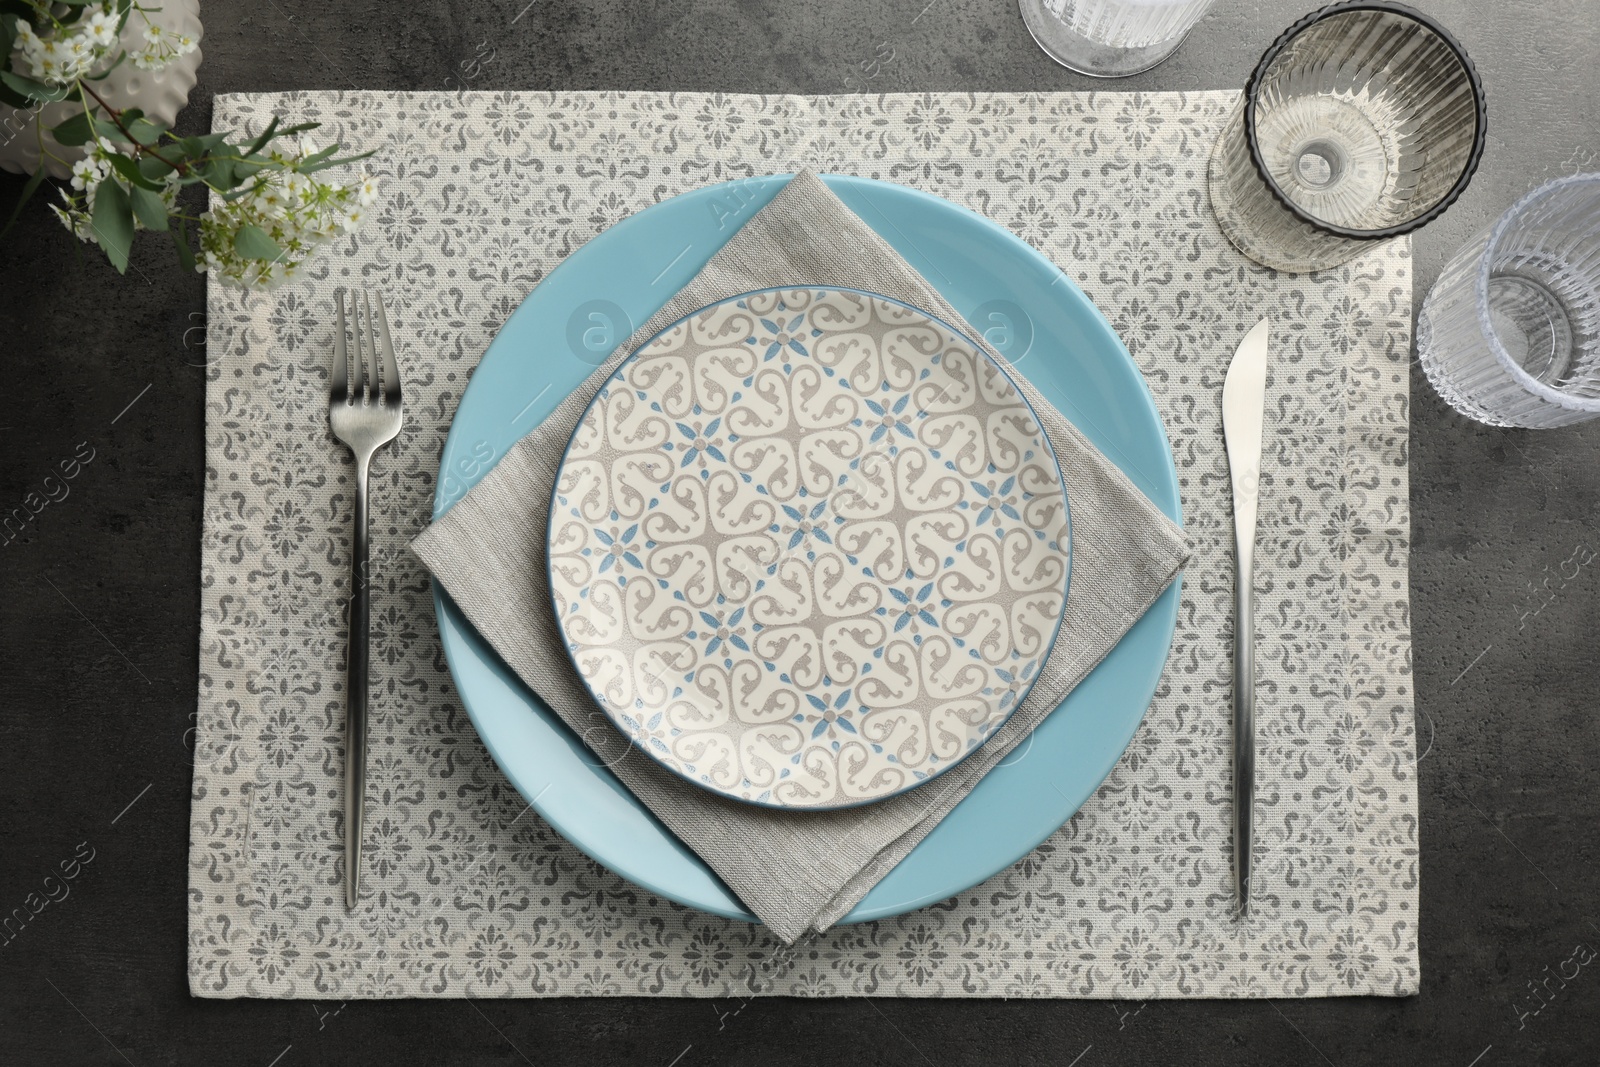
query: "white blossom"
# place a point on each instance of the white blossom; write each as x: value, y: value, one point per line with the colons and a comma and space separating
x: 294, y: 209
x: 76, y: 222
x: 272, y: 201
x: 101, y: 29
x: 73, y: 218
x: 27, y: 40
x: 68, y: 52
x: 87, y: 172
x: 161, y: 46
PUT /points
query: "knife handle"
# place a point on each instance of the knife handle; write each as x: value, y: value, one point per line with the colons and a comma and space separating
x: 1244, y: 721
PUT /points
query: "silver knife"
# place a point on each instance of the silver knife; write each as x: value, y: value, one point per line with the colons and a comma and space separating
x: 1244, y: 398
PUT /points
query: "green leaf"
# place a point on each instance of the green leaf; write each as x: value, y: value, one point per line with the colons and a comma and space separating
x: 33, y: 90
x: 218, y: 173
x: 149, y: 208
x: 113, y: 222
x: 272, y: 133
x: 181, y: 239
x: 321, y: 154
x: 195, y: 147
x: 27, y: 192
x: 260, y: 142
x: 252, y: 242
x: 144, y: 131
x: 79, y: 129
x: 153, y: 168
x: 12, y: 98
x: 8, y: 35
x: 126, y: 167
x: 341, y: 161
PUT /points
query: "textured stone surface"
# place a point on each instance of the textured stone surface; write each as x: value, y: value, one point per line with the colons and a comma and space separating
x: 99, y: 600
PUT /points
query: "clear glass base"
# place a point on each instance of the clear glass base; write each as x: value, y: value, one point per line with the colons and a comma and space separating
x: 1533, y: 326
x: 1256, y: 224
x: 1329, y: 157
x: 1076, y: 52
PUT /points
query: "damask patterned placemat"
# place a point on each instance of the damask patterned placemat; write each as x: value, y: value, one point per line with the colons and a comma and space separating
x: 473, y: 896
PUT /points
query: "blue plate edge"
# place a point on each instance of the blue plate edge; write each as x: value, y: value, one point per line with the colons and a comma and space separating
x: 1171, y: 507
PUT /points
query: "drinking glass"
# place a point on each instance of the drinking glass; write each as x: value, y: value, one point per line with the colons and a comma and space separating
x: 1111, y: 38
x: 1510, y: 333
x: 1363, y: 121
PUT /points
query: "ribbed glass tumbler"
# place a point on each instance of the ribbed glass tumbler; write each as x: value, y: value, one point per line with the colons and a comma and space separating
x: 1111, y: 38
x: 1363, y: 121
x: 1510, y: 333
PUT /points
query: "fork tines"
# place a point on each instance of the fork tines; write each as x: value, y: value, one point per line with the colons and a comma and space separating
x: 376, y: 378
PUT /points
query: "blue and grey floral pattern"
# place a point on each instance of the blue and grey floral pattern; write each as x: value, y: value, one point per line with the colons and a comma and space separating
x: 714, y: 451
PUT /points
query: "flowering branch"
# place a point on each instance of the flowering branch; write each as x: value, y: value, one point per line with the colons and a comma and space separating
x: 116, y: 120
x: 271, y: 212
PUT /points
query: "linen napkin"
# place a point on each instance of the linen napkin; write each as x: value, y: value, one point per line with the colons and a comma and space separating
x: 795, y: 870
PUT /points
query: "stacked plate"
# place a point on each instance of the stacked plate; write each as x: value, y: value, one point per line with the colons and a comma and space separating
x: 809, y: 547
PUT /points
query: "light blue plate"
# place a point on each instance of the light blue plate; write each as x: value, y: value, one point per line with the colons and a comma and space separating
x: 616, y: 282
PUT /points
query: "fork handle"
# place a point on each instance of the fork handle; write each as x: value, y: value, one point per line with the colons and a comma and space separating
x: 355, y: 751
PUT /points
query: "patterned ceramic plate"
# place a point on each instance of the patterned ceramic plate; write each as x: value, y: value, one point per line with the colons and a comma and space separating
x: 809, y: 547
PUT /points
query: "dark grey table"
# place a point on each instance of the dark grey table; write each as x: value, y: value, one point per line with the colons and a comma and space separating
x: 99, y: 599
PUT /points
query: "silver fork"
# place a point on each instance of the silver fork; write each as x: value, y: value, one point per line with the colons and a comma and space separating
x: 364, y: 411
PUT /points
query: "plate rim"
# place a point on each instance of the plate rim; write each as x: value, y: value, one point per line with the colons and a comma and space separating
x: 1044, y: 656
x: 459, y: 638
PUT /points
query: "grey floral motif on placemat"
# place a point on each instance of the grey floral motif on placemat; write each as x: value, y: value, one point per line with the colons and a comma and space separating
x: 469, y: 894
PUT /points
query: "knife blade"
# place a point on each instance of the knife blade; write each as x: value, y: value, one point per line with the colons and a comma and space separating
x: 1244, y: 397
